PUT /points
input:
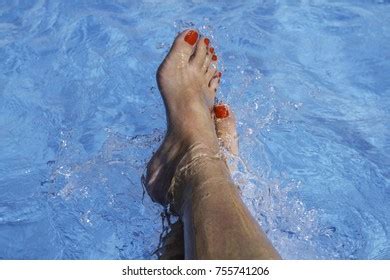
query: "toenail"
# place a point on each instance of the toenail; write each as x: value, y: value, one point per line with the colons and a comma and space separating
x: 211, y: 50
x: 221, y: 111
x: 191, y: 37
x: 219, y: 74
x: 207, y: 41
x: 214, y: 57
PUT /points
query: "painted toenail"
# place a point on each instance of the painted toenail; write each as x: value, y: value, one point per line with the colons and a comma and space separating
x: 211, y: 50
x: 221, y: 111
x: 191, y: 37
x: 207, y: 41
x: 219, y: 74
x: 214, y: 57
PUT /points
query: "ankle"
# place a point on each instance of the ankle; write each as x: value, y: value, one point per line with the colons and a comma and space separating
x: 198, y: 167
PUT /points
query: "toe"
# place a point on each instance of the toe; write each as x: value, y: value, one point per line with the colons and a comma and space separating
x: 184, y: 45
x: 212, y: 65
x: 207, y: 59
x: 215, y: 80
x: 225, y: 125
x: 212, y: 69
x: 199, y: 56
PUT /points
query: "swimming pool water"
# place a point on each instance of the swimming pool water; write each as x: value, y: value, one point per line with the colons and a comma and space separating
x: 80, y: 116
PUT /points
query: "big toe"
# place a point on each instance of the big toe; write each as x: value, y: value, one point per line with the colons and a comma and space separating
x: 225, y: 126
x: 184, y: 45
x: 201, y: 52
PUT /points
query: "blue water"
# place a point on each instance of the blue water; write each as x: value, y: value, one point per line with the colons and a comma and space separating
x: 80, y: 116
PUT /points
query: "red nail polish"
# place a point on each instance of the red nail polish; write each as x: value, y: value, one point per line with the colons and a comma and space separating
x: 207, y: 41
x: 214, y: 57
x: 219, y: 74
x: 191, y: 37
x: 211, y: 50
x: 221, y: 111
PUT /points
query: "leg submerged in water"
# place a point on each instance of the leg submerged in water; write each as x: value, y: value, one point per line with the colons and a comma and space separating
x: 188, y: 171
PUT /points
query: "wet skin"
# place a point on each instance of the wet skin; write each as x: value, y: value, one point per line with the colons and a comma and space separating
x: 188, y: 171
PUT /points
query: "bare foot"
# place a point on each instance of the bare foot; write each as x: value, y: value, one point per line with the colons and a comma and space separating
x: 225, y: 126
x: 188, y: 80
